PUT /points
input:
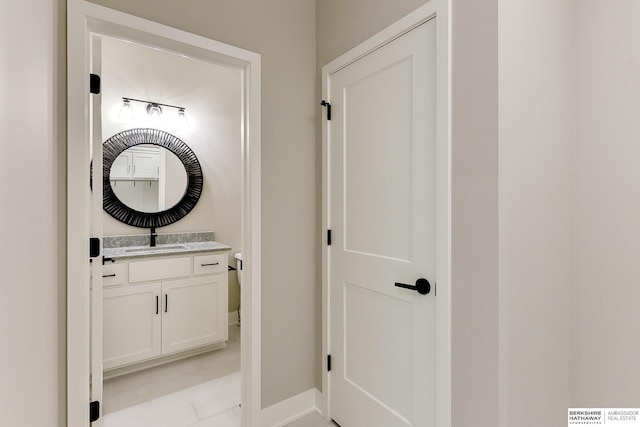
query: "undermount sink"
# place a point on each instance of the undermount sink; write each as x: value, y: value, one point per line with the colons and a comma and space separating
x: 154, y: 249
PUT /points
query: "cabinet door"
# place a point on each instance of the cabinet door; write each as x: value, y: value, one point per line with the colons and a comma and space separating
x: 121, y: 167
x: 194, y: 312
x: 132, y: 324
x: 146, y: 165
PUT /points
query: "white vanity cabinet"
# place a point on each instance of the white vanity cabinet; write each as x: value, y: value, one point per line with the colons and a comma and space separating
x: 165, y: 305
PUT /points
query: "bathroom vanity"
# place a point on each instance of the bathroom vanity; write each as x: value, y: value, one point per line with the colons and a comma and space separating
x: 163, y: 303
x: 165, y: 296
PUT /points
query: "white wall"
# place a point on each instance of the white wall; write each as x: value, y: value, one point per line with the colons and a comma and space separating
x: 536, y: 133
x: 211, y: 96
x: 32, y: 195
x: 607, y: 203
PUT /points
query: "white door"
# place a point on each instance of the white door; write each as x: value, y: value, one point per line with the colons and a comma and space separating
x: 382, y: 216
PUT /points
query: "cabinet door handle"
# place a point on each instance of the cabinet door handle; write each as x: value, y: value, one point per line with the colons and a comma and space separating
x: 110, y: 275
x: 206, y: 265
x: 157, y: 304
x: 166, y: 302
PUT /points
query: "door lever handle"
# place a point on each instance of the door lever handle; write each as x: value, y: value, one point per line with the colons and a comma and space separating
x: 422, y: 286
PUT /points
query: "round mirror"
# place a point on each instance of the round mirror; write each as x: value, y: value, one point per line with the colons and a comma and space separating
x: 150, y: 178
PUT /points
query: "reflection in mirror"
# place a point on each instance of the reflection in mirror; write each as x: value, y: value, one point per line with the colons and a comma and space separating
x: 148, y: 166
x: 148, y: 178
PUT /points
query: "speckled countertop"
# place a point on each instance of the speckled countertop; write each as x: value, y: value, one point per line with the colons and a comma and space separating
x: 173, y: 246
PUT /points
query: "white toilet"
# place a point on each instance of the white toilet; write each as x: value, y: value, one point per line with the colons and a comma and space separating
x: 238, y: 256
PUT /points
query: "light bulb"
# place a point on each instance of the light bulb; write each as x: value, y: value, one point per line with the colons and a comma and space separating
x: 126, y: 111
x: 182, y: 119
x: 154, y: 111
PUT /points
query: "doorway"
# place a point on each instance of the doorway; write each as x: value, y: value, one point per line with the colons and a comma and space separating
x: 84, y: 21
x: 199, y: 382
x: 386, y: 168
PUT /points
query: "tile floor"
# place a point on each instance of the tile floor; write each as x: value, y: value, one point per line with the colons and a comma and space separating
x: 312, y: 420
x: 211, y: 404
x: 202, y: 391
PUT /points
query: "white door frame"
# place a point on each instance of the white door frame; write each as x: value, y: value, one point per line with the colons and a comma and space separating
x: 84, y: 19
x: 441, y: 9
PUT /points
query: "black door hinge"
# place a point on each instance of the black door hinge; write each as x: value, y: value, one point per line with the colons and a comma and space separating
x: 94, y: 411
x: 326, y: 104
x: 94, y: 84
x: 328, y: 363
x: 94, y: 247
x: 328, y: 237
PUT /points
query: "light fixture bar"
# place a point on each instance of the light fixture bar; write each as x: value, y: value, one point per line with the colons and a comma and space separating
x: 124, y: 98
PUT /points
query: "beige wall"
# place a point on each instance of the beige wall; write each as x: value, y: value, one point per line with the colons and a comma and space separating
x: 536, y: 134
x: 32, y: 190
x: 474, y: 176
x: 512, y: 190
x: 283, y: 32
x: 342, y: 25
x: 211, y: 95
x: 607, y: 203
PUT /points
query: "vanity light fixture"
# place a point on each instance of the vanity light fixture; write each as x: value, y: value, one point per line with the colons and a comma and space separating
x: 154, y: 110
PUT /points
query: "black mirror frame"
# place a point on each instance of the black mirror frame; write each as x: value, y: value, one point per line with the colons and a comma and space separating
x: 119, y: 142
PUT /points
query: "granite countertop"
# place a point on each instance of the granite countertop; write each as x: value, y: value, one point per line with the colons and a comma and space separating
x: 130, y: 252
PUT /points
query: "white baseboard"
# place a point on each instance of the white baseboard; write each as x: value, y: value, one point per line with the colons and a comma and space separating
x: 134, y: 367
x: 233, y: 318
x: 287, y: 411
